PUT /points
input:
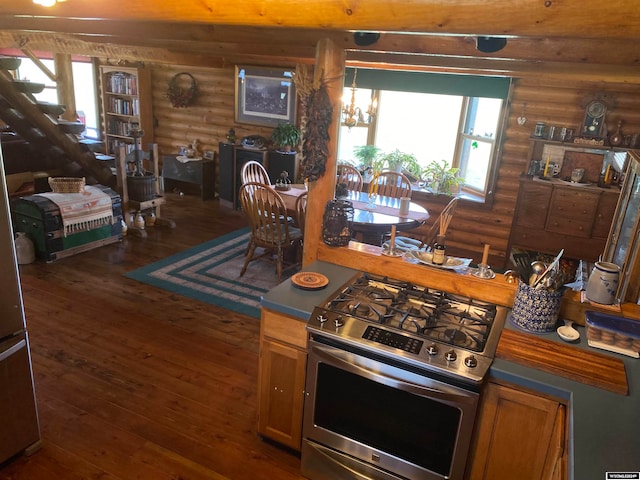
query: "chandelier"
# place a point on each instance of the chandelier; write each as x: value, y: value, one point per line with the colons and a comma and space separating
x: 354, y: 115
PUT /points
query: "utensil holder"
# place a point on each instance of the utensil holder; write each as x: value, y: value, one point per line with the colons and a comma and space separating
x: 535, y: 310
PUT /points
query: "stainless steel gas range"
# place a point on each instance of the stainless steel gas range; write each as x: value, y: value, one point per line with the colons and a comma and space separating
x: 393, y: 380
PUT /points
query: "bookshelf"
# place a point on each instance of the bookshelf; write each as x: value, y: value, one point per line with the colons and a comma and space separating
x: 126, y: 100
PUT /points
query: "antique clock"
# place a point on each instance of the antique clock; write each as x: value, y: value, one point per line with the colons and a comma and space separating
x: 594, y: 119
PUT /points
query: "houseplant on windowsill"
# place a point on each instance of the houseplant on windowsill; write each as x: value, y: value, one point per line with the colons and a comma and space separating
x: 399, y: 161
x: 286, y: 137
x: 366, y: 156
x: 441, y: 178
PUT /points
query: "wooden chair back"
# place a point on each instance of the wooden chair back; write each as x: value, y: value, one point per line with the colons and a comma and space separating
x: 267, y: 214
x: 301, y: 210
x: 254, y: 171
x: 390, y: 184
x: 350, y: 176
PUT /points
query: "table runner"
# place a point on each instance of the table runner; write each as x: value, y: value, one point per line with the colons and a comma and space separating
x: 416, y: 216
x: 82, y: 211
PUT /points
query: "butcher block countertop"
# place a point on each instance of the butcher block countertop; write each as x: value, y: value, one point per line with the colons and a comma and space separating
x: 603, y: 418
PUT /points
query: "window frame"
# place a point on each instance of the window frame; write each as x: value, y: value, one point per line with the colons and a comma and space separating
x: 471, y: 194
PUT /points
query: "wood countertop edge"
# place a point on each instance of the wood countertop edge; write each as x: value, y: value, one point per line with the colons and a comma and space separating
x: 591, y: 368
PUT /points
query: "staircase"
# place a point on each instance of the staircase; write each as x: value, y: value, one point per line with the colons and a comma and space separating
x: 52, y: 140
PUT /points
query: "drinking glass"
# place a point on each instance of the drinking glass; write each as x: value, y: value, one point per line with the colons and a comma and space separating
x: 371, y: 201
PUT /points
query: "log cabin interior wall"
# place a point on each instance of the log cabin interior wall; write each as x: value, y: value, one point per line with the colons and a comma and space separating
x: 555, y: 72
x: 207, y: 119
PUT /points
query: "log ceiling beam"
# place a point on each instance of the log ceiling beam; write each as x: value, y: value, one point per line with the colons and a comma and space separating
x: 141, y: 30
x: 550, y: 18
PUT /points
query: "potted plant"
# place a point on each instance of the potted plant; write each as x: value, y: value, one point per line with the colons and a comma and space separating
x: 366, y: 155
x: 398, y: 161
x: 441, y: 178
x: 286, y: 137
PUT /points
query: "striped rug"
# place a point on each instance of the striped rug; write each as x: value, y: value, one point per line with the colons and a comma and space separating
x: 210, y: 273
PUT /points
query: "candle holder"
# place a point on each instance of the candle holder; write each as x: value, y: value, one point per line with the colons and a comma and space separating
x: 484, y: 271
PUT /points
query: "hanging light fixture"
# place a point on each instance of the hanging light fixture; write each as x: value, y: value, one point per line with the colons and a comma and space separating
x: 354, y: 115
x: 47, y: 3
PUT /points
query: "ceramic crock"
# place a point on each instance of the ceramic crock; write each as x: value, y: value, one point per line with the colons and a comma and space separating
x: 603, y: 283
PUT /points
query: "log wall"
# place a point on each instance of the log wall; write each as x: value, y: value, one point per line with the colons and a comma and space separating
x: 554, y: 102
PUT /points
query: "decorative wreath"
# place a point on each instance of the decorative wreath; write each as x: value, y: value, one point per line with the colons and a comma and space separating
x: 179, y: 96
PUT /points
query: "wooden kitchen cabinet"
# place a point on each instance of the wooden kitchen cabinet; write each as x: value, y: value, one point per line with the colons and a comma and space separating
x: 551, y: 216
x: 126, y: 101
x: 281, y: 378
x: 519, y: 434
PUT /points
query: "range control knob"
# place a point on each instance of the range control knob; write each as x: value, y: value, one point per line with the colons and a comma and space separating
x: 432, y: 349
x: 339, y: 321
x: 471, y: 361
x: 450, y: 356
x: 322, y: 318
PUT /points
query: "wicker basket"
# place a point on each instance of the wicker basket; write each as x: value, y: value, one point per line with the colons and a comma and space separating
x: 67, y: 184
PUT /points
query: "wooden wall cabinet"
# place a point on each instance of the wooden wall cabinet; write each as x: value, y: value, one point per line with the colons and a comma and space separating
x: 551, y: 216
x: 281, y: 378
x: 518, y: 435
x: 126, y: 100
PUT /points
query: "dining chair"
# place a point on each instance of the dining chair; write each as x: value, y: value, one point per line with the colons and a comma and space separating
x: 390, y: 184
x: 254, y: 171
x: 301, y: 210
x: 439, y: 227
x: 270, y: 228
x: 350, y: 176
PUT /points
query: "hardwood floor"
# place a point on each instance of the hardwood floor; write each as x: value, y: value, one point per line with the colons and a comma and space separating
x: 135, y: 383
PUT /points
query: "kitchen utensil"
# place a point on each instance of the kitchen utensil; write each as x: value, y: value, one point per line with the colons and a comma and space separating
x: 567, y: 332
x: 537, y: 268
x: 522, y: 262
x: 549, y: 269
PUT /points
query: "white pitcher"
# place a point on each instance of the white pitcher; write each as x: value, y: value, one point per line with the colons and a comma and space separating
x: 603, y: 283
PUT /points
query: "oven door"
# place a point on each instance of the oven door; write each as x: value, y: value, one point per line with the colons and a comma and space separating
x: 367, y: 418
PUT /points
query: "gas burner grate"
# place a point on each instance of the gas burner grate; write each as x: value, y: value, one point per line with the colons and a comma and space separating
x: 430, y: 313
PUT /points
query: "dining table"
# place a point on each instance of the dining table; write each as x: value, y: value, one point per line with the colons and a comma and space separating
x: 372, y: 220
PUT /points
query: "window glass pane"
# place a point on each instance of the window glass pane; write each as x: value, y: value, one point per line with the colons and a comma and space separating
x: 31, y: 72
x: 349, y: 139
x: 85, y: 92
x: 84, y: 88
x: 474, y: 163
x: 419, y: 123
x: 483, y: 116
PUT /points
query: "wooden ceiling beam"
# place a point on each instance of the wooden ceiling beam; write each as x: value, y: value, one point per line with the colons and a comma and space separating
x: 225, y: 39
x: 587, y: 18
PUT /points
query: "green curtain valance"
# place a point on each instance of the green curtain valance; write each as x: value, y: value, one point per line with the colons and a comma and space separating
x: 427, y: 82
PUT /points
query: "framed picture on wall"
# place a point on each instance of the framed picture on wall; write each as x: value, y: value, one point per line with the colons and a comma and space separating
x: 265, y: 95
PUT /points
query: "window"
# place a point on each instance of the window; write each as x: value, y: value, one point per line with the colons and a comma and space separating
x: 461, y: 129
x: 84, y: 88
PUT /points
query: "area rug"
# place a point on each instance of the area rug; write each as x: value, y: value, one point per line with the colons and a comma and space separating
x: 210, y: 273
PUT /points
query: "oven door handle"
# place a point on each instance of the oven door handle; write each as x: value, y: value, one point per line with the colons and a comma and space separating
x: 349, y: 362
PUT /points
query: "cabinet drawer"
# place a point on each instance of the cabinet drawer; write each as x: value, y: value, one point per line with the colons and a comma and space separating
x: 572, y: 212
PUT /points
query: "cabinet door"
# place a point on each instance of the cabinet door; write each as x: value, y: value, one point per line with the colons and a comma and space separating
x: 533, y: 204
x: 572, y: 211
x: 604, y: 214
x: 518, y: 435
x: 282, y: 376
x: 226, y: 172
